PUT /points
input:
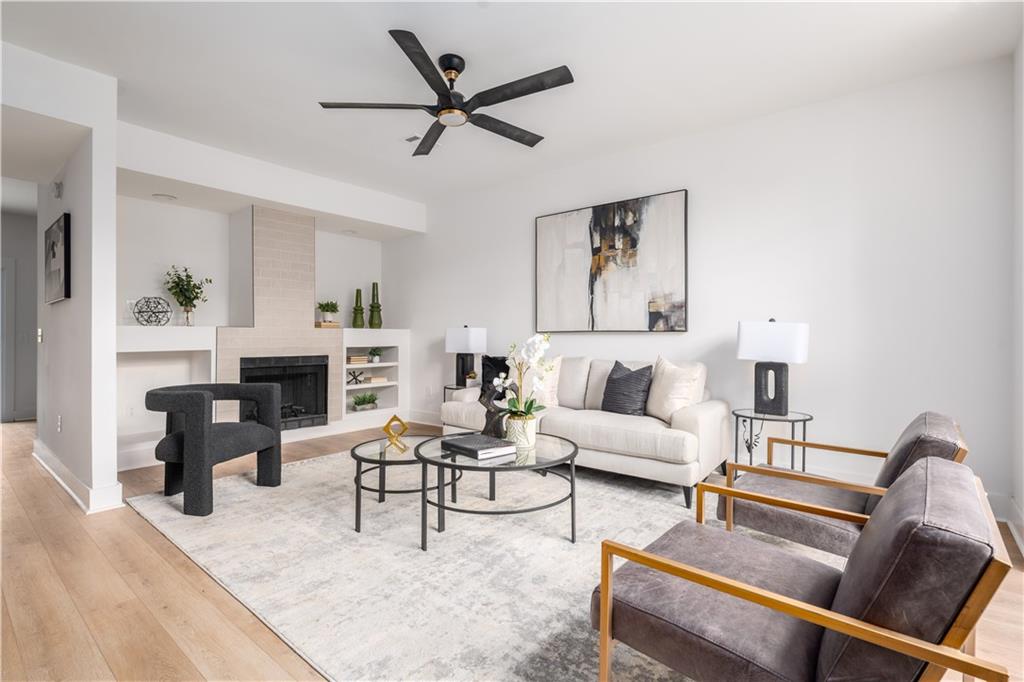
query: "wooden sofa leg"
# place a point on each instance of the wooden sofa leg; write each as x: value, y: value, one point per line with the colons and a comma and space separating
x: 688, y: 496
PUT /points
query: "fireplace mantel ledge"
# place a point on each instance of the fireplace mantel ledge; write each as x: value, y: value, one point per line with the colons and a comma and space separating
x: 140, y: 339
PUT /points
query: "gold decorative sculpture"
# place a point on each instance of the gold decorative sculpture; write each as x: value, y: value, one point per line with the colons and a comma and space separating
x: 395, y: 429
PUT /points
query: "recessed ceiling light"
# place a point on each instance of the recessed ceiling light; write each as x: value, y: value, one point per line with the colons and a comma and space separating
x: 349, y: 232
x: 165, y: 197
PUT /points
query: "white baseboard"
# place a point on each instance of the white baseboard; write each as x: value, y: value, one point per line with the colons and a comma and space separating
x: 1006, y: 508
x: 91, y: 500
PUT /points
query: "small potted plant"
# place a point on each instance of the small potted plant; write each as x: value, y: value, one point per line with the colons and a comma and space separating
x: 521, y: 425
x: 375, y: 353
x: 186, y: 290
x: 327, y: 310
x: 364, y: 401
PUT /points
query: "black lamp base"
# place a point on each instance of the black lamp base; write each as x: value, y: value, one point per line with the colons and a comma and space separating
x: 464, y: 364
x: 771, y: 388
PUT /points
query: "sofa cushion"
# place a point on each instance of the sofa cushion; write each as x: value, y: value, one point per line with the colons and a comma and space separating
x: 674, y: 387
x: 599, y: 370
x: 622, y: 434
x: 625, y: 390
x: 227, y: 441
x: 913, y: 567
x: 466, y: 415
x: 710, y: 635
x: 829, y: 535
x: 572, y: 382
x: 930, y: 435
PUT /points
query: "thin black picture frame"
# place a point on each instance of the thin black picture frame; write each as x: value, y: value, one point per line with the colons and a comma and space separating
x: 64, y: 222
x: 686, y: 268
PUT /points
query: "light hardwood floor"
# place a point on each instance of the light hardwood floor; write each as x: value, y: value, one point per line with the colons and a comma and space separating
x: 108, y: 597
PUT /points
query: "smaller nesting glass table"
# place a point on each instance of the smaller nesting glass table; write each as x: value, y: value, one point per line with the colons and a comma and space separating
x: 549, y: 452
x: 377, y: 455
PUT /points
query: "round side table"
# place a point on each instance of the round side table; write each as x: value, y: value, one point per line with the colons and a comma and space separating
x: 748, y: 416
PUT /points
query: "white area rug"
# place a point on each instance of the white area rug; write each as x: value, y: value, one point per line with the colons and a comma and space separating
x: 493, y: 598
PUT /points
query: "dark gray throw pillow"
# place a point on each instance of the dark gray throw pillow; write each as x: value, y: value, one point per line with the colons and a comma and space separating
x: 626, y: 390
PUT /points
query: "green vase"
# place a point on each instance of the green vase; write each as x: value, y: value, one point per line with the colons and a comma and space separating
x: 357, y: 311
x: 375, y: 321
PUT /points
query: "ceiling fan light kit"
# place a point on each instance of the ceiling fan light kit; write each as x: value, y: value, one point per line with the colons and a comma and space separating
x: 452, y: 109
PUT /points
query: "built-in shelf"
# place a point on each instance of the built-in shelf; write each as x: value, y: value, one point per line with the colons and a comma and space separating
x: 380, y: 384
x: 370, y: 365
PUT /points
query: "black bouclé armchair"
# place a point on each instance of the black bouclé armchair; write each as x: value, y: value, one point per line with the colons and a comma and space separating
x: 194, y: 442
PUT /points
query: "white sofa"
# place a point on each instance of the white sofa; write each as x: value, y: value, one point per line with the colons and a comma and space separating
x: 681, y: 452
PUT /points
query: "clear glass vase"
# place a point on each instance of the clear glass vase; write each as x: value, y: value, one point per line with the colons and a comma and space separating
x: 189, y: 316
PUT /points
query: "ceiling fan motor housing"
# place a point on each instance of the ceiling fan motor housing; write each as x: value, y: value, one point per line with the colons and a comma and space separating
x: 452, y: 65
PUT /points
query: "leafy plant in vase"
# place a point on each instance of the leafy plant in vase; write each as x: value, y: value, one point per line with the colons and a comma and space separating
x: 327, y: 310
x: 521, y: 424
x: 375, y: 354
x: 364, y: 401
x: 186, y: 290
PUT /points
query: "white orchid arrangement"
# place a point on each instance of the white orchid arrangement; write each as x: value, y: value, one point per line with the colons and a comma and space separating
x: 520, y: 361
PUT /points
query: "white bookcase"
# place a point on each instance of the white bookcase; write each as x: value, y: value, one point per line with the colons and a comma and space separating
x: 393, y: 393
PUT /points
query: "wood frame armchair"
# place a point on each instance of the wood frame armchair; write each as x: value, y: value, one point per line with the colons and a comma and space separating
x: 955, y: 652
x: 850, y: 503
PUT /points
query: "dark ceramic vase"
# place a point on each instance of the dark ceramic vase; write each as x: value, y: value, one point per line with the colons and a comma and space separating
x: 357, y: 311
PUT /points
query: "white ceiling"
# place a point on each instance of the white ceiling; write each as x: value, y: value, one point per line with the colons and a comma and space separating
x: 247, y: 77
x: 34, y: 147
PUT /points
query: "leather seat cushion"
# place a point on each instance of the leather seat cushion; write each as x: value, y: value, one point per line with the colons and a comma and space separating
x: 227, y: 440
x: 829, y: 535
x: 710, y: 635
x: 622, y: 434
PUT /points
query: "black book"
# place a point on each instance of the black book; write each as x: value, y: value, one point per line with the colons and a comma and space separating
x: 479, y: 446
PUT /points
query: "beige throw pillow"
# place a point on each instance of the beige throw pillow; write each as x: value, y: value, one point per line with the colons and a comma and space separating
x: 547, y: 395
x: 674, y: 387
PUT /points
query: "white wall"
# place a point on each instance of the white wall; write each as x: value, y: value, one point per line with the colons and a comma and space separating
x: 1016, y: 514
x: 344, y: 264
x: 882, y: 218
x: 152, y: 236
x: 77, y: 359
x: 19, y: 318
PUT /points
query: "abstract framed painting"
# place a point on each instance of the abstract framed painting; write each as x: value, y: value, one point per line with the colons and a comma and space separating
x: 57, y: 260
x: 616, y: 267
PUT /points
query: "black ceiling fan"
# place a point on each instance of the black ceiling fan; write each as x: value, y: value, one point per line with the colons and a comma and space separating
x: 452, y: 109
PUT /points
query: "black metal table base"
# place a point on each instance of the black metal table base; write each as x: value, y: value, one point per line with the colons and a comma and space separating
x: 382, y: 490
x: 750, y: 442
x: 442, y: 506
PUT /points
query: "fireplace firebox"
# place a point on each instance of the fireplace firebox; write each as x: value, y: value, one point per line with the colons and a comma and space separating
x: 303, y: 380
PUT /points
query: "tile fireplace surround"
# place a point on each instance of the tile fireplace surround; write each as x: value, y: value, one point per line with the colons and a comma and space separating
x: 284, y: 292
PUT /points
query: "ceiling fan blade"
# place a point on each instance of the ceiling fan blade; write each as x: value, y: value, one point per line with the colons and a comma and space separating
x: 410, y: 44
x: 428, y: 141
x: 373, y: 105
x: 520, y: 88
x: 505, y: 129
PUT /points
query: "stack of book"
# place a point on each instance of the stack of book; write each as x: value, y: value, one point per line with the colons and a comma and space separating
x: 358, y: 359
x: 376, y: 380
x: 479, y: 446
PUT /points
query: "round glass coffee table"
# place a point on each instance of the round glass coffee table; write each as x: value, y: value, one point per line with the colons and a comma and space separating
x: 549, y: 453
x: 377, y: 455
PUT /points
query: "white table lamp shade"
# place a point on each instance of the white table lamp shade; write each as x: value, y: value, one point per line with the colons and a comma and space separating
x: 465, y: 340
x: 773, y: 341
